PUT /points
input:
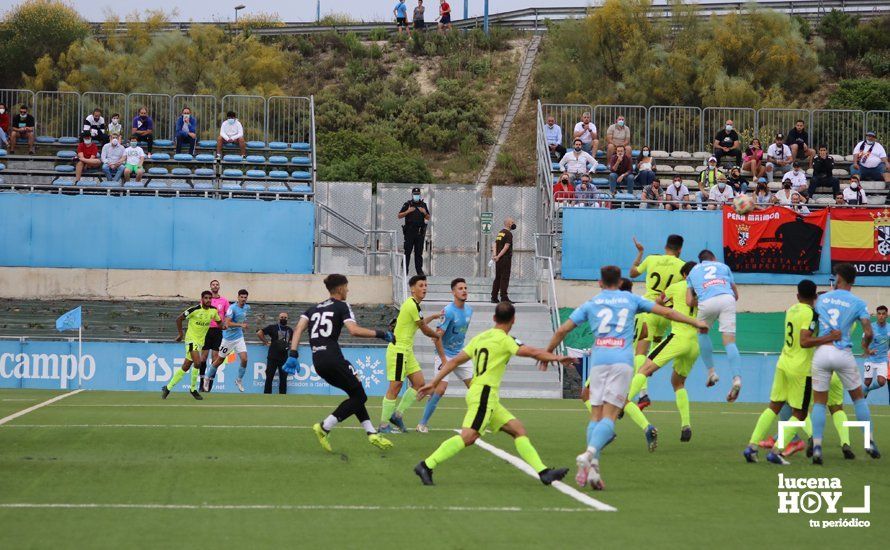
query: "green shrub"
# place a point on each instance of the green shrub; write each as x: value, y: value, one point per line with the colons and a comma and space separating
x: 868, y: 94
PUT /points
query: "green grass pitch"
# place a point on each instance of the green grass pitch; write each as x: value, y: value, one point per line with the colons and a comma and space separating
x: 239, y: 471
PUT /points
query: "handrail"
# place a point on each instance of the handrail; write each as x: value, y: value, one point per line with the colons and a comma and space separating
x: 544, y: 278
x: 341, y: 241
x: 545, y: 167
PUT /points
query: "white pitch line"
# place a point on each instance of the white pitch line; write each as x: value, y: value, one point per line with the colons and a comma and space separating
x: 558, y: 485
x: 347, y: 507
x: 23, y: 412
x: 198, y: 426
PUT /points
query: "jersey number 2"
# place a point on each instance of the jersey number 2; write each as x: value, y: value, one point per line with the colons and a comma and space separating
x: 321, y: 324
x: 605, y: 316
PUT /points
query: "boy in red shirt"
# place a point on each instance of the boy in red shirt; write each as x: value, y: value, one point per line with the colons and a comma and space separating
x: 87, y: 156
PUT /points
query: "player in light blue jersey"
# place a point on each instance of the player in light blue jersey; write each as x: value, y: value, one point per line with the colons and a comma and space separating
x: 610, y: 315
x: 712, y: 288
x: 233, y: 341
x: 840, y: 309
x: 876, y: 363
x: 452, y: 331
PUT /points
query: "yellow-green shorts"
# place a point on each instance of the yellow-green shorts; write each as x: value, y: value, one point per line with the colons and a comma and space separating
x: 681, y: 350
x: 657, y: 326
x: 400, y: 363
x: 792, y: 389
x: 835, y: 391
x: 484, y: 409
x: 192, y: 346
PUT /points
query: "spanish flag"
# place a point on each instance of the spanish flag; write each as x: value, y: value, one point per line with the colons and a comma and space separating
x: 861, y: 237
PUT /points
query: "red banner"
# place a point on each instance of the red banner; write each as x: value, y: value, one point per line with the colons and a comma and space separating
x: 775, y: 240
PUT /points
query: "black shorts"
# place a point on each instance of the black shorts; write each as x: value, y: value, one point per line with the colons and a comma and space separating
x: 419, y: 25
x: 402, y: 22
x: 445, y: 19
x: 338, y: 372
x: 213, y: 339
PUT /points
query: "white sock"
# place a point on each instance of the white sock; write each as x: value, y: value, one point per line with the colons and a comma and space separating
x: 369, y: 427
x: 328, y: 423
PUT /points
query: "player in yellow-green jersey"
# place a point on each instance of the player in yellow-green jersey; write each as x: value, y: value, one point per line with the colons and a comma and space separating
x: 791, y: 381
x: 662, y: 270
x: 400, y: 360
x: 490, y: 352
x: 199, y: 318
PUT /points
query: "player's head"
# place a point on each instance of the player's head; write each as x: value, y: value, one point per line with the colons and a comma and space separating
x: 846, y: 275
x: 504, y: 315
x: 214, y: 287
x: 626, y: 285
x: 706, y: 256
x: 337, y: 285
x: 806, y: 291
x: 882, y: 314
x: 674, y: 244
x: 687, y: 267
x: 242, y: 297
x: 459, y: 289
x: 610, y: 276
x: 205, y: 298
x: 417, y: 284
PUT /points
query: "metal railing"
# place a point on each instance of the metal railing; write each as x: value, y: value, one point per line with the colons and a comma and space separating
x: 545, y: 283
x: 544, y: 176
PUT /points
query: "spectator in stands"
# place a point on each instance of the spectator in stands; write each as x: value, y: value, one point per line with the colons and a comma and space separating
x: 586, y: 192
x: 115, y: 127
x: 676, y: 195
x: 855, y: 194
x: 783, y: 195
x: 720, y: 194
x: 797, y: 177
x: 586, y: 132
x: 144, y: 129
x: 645, y: 167
x: 95, y: 124
x: 231, y: 131
x: 553, y: 135
x: 135, y: 158
x: 799, y: 143
x: 87, y: 156
x: 726, y: 143
x: 823, y: 174
x: 652, y: 195
x: 798, y: 204
x: 737, y: 181
x: 617, y: 134
x: 419, y: 23
x: 444, y: 16
x: 113, y: 158
x: 763, y: 197
x: 22, y: 127
x: 577, y: 162
x: 186, y: 131
x: 620, y: 171
x: 870, y: 160
x: 4, y: 126
x: 401, y: 14
x: 564, y: 191
x: 709, y: 176
x: 754, y: 159
x: 778, y: 157
x: 839, y: 200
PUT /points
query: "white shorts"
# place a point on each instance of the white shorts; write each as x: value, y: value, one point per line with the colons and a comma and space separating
x: 610, y: 384
x: 229, y: 347
x: 828, y: 359
x: 875, y: 369
x: 719, y: 308
x: 463, y: 372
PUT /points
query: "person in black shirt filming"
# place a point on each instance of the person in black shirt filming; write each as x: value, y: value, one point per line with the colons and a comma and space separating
x: 823, y: 165
x: 280, y: 336
x: 416, y: 215
x: 799, y: 141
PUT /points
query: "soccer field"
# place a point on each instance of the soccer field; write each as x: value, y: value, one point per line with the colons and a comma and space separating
x: 127, y: 470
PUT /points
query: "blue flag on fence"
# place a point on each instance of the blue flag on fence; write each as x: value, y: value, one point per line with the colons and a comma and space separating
x: 69, y: 321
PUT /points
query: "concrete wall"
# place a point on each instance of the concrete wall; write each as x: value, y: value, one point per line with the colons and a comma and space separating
x: 133, y: 284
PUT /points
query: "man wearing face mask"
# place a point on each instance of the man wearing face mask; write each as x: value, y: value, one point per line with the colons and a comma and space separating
x: 676, y: 195
x: 854, y: 194
x: 22, y: 127
x: 4, y: 126
x: 870, y: 160
x: 231, y: 131
x: 113, y: 156
x: 144, y: 129
x: 797, y: 177
x: 739, y: 184
x: 784, y: 195
x: 87, y: 156
x: 135, y: 157
x: 115, y: 127
x: 416, y: 215
x: 726, y: 144
x: 186, y: 131
x: 617, y: 134
x: 280, y: 336
x: 553, y: 135
x: 502, y: 256
x: 720, y: 194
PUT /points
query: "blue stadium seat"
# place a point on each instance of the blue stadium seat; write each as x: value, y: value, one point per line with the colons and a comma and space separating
x: 2, y: 167
x: 635, y: 153
x: 230, y: 186
x: 64, y: 168
x: 600, y: 155
x: 625, y: 197
x: 179, y: 171
x: 89, y: 182
x: 110, y: 184
x: 277, y: 145
x: 233, y: 173
x: 601, y: 168
x: 274, y: 159
x: 160, y: 156
x: 299, y: 175
x: 43, y: 139
x: 256, y: 144
x: 599, y: 182
x: 204, y: 172
x: 207, y: 143
x: 205, y: 157
x: 180, y: 184
x: 300, y: 146
x: 69, y: 140
x: 278, y: 174
x: 260, y: 159
x: 66, y: 182
x: 555, y: 167
x: 164, y: 143
x: 301, y: 189
x: 3, y: 153
x: 157, y: 184
x: 157, y: 171
x: 203, y: 185
x: 66, y: 155
x: 256, y: 174
x: 183, y: 157
x: 254, y: 186
x: 133, y: 184
x: 301, y: 161
x: 232, y: 158
x: 278, y: 187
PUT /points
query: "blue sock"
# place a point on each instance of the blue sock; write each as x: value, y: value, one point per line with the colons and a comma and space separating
x: 603, y: 432
x: 862, y: 411
x: 241, y: 371
x: 430, y: 408
x: 818, y: 423
x: 591, y: 426
x: 210, y: 372
x: 707, y: 350
x: 785, y: 413
x: 734, y: 358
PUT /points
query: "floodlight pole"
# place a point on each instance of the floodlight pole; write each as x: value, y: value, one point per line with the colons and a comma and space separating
x: 318, y: 11
x: 485, y: 18
x: 238, y: 8
x: 466, y: 8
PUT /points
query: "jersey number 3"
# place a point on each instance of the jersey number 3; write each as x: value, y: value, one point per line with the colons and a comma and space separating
x: 321, y: 324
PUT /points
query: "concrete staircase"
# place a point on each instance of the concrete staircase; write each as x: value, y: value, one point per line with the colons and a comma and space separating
x: 439, y: 290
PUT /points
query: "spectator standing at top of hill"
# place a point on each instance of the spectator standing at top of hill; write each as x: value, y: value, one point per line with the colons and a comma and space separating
x: 823, y: 174
x: 799, y: 142
x: 401, y: 14
x: 4, y: 126
x: 186, y: 131
x: 586, y: 132
x: 617, y: 134
x: 419, y: 10
x: 727, y: 144
x: 231, y: 131
x: 144, y: 129
x: 444, y: 16
x: 553, y: 135
x: 870, y: 160
x: 94, y: 123
x: 22, y: 127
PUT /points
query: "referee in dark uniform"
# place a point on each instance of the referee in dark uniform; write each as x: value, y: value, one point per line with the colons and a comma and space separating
x: 502, y: 256
x: 416, y: 214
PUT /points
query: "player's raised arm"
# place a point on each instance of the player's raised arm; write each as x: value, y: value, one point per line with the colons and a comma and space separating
x: 634, y: 272
x: 444, y: 370
x: 675, y: 315
x: 543, y: 356
x: 361, y: 332
x: 560, y: 334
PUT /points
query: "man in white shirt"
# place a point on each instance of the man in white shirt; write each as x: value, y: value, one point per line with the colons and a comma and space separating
x: 113, y: 157
x: 778, y: 157
x: 231, y: 131
x: 797, y: 204
x: 577, y: 162
x: 135, y: 157
x: 720, y: 194
x: 676, y: 195
x: 586, y: 132
x: 870, y: 160
x: 798, y: 179
x: 854, y: 194
x: 553, y: 135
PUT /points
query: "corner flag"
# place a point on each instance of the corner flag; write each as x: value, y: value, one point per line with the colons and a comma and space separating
x: 69, y: 321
